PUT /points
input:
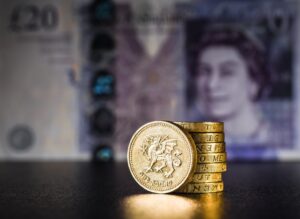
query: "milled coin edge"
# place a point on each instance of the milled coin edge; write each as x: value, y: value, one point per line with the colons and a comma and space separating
x: 198, y: 126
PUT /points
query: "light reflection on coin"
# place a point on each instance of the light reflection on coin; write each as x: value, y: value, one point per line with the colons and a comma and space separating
x: 161, y: 157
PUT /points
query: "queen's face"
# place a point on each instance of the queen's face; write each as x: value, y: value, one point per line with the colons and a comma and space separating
x: 223, y: 82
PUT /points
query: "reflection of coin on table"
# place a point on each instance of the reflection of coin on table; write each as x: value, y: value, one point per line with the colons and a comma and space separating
x: 150, y: 206
x: 161, y: 157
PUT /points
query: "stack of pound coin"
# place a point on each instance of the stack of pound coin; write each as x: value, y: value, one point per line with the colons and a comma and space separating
x: 211, y: 156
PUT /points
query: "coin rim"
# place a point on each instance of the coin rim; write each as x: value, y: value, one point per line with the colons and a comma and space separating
x: 219, y: 178
x: 212, y: 164
x: 209, y: 155
x: 198, y: 134
x: 202, y: 192
x: 193, y: 126
x: 199, y: 150
x: 192, y: 149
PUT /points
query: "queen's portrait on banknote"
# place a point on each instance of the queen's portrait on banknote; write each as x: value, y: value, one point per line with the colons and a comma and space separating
x: 230, y: 75
x: 240, y: 71
x: 207, y: 65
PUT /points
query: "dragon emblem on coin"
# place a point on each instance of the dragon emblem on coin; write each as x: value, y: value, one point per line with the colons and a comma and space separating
x: 162, y: 154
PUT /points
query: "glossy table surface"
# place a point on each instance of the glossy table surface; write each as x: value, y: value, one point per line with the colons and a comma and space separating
x: 88, y: 190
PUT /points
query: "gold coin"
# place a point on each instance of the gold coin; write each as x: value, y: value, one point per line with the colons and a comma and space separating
x: 206, y: 177
x: 202, y: 187
x: 202, y: 126
x: 211, y: 168
x: 161, y: 157
x: 207, y: 137
x: 211, y: 158
x: 210, y: 147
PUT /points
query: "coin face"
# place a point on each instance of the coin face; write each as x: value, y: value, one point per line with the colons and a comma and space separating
x: 161, y: 157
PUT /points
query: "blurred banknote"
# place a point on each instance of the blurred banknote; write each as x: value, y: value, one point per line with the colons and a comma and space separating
x: 241, y: 64
x: 38, y: 103
x: 232, y: 61
x: 149, y: 67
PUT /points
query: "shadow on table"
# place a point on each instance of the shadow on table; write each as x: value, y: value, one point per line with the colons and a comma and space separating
x: 148, y: 206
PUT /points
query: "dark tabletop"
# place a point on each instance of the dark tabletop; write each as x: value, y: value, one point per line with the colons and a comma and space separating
x: 88, y: 190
